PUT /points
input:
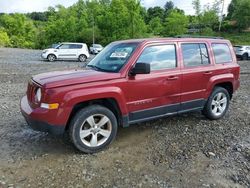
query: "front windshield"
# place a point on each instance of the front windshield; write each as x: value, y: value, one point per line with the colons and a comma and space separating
x: 113, y: 57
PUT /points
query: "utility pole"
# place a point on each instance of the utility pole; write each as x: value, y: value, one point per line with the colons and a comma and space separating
x: 93, y: 29
x: 222, y: 10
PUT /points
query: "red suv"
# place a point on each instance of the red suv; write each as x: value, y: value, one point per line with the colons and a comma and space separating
x: 133, y: 81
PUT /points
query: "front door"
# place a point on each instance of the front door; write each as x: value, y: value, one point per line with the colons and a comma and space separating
x: 158, y: 93
x: 65, y: 52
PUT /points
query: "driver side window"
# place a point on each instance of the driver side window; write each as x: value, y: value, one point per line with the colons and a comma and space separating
x: 64, y: 46
x: 159, y: 57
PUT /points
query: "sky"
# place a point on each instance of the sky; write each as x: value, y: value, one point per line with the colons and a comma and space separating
x: 24, y: 6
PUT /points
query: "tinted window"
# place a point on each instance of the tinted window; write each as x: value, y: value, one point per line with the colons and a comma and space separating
x: 159, y: 57
x: 64, y: 46
x: 222, y: 53
x: 195, y: 54
x: 75, y: 46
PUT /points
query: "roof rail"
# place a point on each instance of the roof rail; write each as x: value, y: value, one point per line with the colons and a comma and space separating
x: 197, y: 36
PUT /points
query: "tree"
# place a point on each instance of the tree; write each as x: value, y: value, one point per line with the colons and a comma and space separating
x: 20, y: 30
x: 155, y: 26
x: 197, y: 7
x: 175, y: 24
x: 155, y: 12
x: 168, y: 7
x: 242, y: 14
x: 231, y: 8
x: 4, y: 38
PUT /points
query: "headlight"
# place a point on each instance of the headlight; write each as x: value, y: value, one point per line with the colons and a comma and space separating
x: 45, y: 51
x: 38, y: 95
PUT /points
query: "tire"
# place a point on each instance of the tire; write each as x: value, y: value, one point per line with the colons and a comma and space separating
x: 217, y: 104
x: 85, y: 133
x: 245, y: 57
x: 82, y: 58
x: 51, y: 57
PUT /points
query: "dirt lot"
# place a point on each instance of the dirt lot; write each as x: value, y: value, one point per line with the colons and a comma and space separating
x: 180, y: 151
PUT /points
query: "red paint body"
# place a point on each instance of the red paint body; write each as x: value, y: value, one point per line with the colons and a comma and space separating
x: 141, y: 92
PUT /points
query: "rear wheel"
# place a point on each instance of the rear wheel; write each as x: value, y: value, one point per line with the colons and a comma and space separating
x: 51, y: 57
x: 93, y: 128
x: 217, y: 104
x: 82, y: 58
x: 245, y: 56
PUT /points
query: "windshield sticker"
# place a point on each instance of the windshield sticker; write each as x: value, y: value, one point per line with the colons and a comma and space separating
x: 119, y: 55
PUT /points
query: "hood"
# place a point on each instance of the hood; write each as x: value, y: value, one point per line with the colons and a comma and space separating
x: 49, y: 49
x: 64, y: 78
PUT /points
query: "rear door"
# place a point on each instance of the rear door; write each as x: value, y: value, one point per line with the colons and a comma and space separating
x: 197, y: 71
x: 158, y: 93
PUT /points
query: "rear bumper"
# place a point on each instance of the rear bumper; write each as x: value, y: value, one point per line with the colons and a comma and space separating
x: 31, y: 117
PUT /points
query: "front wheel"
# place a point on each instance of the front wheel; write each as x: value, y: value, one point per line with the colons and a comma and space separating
x: 51, y: 57
x: 93, y: 128
x: 217, y: 104
x: 82, y: 58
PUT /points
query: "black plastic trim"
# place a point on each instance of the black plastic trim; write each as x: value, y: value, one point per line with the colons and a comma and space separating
x: 163, y: 111
x: 43, y: 126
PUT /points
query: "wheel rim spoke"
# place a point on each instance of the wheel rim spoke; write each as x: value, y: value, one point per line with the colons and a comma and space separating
x: 214, y: 110
x: 93, y: 141
x: 219, y: 96
x: 103, y: 121
x: 85, y: 133
x: 223, y: 100
x: 213, y: 102
x: 91, y: 121
x: 105, y: 133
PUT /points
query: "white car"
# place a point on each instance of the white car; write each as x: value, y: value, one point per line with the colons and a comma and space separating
x: 95, y: 48
x: 242, y: 52
x: 66, y: 51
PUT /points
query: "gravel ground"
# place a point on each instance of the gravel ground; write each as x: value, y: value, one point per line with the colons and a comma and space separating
x: 181, y: 151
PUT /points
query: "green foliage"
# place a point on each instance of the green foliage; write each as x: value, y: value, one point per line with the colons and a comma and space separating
x: 242, y: 14
x: 175, y: 24
x: 20, y: 29
x: 110, y: 20
x: 197, y: 7
x: 4, y: 38
x: 155, y: 26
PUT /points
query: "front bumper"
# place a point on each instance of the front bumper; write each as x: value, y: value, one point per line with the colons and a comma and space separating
x: 31, y: 117
x: 44, y: 55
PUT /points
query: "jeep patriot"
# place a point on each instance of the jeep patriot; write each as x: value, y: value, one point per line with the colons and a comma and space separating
x: 133, y: 81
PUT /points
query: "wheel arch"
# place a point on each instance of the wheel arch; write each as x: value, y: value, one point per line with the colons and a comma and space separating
x: 225, y: 81
x: 110, y: 103
x: 52, y: 54
x: 228, y: 86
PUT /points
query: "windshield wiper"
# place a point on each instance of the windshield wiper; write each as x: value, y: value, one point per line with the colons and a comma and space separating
x: 95, y: 67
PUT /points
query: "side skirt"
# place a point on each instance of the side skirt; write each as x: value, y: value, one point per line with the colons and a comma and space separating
x: 163, y: 111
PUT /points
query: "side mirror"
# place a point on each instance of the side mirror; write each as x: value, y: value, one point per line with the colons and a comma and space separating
x: 140, y: 68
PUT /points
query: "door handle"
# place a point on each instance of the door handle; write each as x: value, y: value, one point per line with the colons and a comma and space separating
x: 173, y: 78
x: 208, y: 72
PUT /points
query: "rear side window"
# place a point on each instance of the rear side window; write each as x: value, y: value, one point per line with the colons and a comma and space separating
x: 195, y: 54
x: 75, y: 46
x: 159, y: 57
x: 222, y: 53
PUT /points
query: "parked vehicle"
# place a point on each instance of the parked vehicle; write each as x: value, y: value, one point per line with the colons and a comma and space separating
x: 130, y: 82
x: 242, y: 52
x: 95, y: 48
x: 66, y: 51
